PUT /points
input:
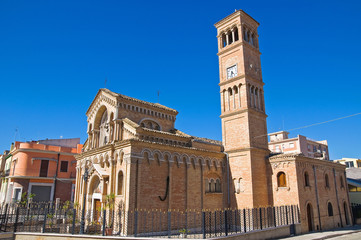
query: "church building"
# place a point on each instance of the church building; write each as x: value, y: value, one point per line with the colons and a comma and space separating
x: 134, y: 151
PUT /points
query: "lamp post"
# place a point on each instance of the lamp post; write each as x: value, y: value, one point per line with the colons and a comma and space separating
x: 85, y: 177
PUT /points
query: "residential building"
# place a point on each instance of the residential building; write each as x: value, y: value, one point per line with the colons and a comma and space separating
x: 45, y: 168
x: 354, y: 184
x: 134, y: 151
x: 281, y: 143
x: 349, y: 162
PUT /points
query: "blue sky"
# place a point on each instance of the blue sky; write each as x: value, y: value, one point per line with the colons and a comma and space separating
x: 55, y: 55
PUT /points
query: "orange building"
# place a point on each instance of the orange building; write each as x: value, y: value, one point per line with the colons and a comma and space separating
x: 45, y: 168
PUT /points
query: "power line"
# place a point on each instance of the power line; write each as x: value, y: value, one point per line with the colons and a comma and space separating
x: 315, y: 124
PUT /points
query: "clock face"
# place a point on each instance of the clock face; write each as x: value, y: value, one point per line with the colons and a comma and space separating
x: 232, y: 71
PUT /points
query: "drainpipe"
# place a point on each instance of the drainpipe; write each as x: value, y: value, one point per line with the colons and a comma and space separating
x: 318, y: 205
x: 56, y: 175
x: 338, y: 203
x: 228, y: 183
x: 348, y: 200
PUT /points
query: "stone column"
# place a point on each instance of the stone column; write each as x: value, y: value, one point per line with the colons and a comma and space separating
x: 234, y: 99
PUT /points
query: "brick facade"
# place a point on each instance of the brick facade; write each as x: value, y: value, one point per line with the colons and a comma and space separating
x: 133, y: 146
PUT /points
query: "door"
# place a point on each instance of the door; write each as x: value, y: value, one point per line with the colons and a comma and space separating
x: 309, y: 218
x: 42, y: 193
x: 44, y: 168
x: 97, y: 210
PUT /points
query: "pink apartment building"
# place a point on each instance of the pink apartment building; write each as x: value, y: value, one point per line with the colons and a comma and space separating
x: 281, y: 143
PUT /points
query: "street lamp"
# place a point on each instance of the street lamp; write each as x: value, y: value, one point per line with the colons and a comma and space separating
x: 85, y: 177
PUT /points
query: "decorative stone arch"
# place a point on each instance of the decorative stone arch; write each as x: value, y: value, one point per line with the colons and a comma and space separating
x: 185, y: 159
x: 96, y: 123
x: 215, y: 163
x: 193, y: 161
x: 95, y: 160
x: 208, y: 163
x: 148, y: 151
x: 201, y: 161
x: 167, y: 156
x: 118, y: 155
x: 160, y: 154
x: 101, y: 160
x: 144, y: 120
x: 158, y: 157
x: 175, y: 158
x: 94, y: 182
x: 106, y: 160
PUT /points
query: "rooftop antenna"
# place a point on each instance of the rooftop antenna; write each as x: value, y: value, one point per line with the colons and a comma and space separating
x: 105, y: 83
x: 158, y: 96
x: 16, y: 133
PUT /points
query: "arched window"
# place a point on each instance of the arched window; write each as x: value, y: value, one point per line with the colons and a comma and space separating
x: 120, y: 183
x: 224, y: 41
x: 327, y: 183
x: 103, y: 129
x: 236, y: 38
x: 330, y: 209
x: 207, y: 185
x: 230, y: 38
x: 218, y: 185
x: 281, y: 179
x: 307, y: 180
x: 213, y: 185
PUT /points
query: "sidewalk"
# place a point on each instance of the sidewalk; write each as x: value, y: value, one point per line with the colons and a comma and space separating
x: 327, y: 234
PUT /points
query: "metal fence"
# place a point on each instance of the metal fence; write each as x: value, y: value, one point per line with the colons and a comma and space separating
x: 356, y: 212
x: 63, y: 218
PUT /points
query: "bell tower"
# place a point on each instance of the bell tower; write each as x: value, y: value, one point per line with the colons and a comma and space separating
x: 244, y: 127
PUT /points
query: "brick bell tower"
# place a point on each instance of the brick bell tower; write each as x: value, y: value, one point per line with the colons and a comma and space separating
x: 244, y: 127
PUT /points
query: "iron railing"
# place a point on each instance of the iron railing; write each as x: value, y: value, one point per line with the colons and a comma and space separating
x: 59, y: 217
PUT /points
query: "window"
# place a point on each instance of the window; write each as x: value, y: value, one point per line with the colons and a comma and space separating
x: 64, y: 166
x: 359, y: 164
x: 281, y: 179
x: 327, y: 183
x: 330, y: 210
x: 213, y: 186
x: 277, y: 148
x: 292, y: 145
x: 309, y: 147
x: 44, y: 168
x: 349, y: 164
x: 307, y: 180
x: 314, y: 149
x: 120, y: 183
x: 218, y: 185
x: 17, y: 194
